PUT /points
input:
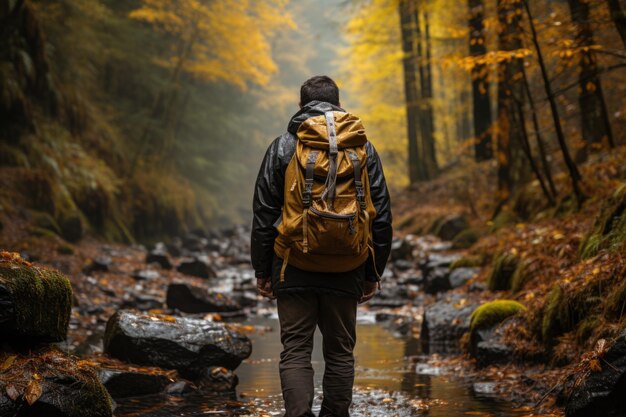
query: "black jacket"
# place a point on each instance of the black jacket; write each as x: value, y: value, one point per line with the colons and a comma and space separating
x: 268, y: 203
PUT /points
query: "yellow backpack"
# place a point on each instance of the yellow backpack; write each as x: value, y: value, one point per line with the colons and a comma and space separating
x: 328, y: 212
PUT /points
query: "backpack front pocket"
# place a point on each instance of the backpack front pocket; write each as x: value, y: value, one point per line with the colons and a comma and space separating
x: 331, y: 233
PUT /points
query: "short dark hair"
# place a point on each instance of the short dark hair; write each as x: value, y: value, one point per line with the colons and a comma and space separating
x: 319, y: 88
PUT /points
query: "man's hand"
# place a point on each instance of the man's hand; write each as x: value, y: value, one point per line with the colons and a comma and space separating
x: 264, y: 287
x: 369, y: 290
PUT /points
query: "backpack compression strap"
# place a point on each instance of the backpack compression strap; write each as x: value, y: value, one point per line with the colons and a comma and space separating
x: 309, y: 178
x: 331, y: 179
x: 360, y: 194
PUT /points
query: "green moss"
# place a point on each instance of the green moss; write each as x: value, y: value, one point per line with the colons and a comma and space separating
x: 609, y: 228
x: 45, y: 221
x: 468, y: 262
x: 41, y: 232
x: 465, y: 239
x: 556, y: 317
x: 504, y: 267
x: 520, y: 276
x: 503, y: 219
x: 41, y: 298
x: 65, y: 249
x: 492, y: 313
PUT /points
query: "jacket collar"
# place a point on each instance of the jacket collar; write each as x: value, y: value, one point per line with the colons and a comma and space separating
x: 311, y: 109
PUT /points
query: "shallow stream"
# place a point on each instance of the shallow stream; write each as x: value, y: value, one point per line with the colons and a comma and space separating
x: 392, y: 379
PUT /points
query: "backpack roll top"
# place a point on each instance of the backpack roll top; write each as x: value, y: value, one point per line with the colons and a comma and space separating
x: 327, y: 211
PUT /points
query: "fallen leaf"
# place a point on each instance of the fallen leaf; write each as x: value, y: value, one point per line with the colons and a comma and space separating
x: 33, y: 392
x: 12, y: 393
x: 8, y: 362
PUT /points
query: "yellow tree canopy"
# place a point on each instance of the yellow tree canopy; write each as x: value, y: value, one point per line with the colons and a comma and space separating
x: 226, y: 40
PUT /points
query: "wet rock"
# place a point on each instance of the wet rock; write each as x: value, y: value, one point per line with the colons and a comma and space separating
x: 602, y: 393
x: 246, y: 298
x: 142, y: 302
x: 68, y: 387
x: 98, y: 264
x: 186, y: 344
x: 436, y: 280
x: 194, y: 243
x: 160, y: 257
x: 403, y: 265
x: 197, y: 268
x: 145, y: 274
x: 193, y: 299
x: 217, y: 379
x: 417, y: 279
x: 132, y: 383
x: 35, y: 302
x: 459, y: 276
x: 437, y: 260
x: 445, y: 322
x: 451, y: 226
x: 175, y: 247
x: 485, y: 389
x: 493, y: 352
x: 401, y: 249
x: 181, y: 387
x: 389, y: 297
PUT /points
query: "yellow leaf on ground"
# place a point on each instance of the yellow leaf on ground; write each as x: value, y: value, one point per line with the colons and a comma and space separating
x: 33, y: 392
x: 8, y: 362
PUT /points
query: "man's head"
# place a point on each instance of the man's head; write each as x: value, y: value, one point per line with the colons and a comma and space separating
x: 319, y: 88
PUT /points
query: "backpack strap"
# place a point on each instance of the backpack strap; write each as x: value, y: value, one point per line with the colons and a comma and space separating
x: 331, y: 179
x: 309, y: 178
x: 358, y: 184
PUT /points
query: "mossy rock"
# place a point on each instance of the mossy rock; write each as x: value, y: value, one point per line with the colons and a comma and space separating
x: 470, y: 261
x: 493, y: 313
x: 69, y: 387
x: 503, y: 219
x: 504, y: 266
x: 520, y: 276
x: 556, y: 315
x: 465, y: 239
x: 609, y: 228
x: 36, y: 302
x: 45, y: 221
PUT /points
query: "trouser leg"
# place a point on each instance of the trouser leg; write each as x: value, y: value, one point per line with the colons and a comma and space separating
x: 297, y: 314
x: 337, y: 322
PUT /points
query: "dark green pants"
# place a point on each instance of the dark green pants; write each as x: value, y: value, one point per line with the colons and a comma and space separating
x: 299, y: 314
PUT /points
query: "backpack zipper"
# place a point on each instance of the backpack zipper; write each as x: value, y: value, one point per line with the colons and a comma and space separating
x: 335, y: 216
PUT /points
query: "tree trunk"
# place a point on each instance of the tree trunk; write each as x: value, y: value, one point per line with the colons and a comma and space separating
x: 429, y: 156
x: 569, y: 162
x: 619, y: 18
x: 512, y: 168
x: 594, y: 118
x: 483, y: 148
x: 407, y: 28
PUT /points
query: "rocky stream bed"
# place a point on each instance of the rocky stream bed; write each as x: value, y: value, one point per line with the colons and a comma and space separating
x: 178, y: 330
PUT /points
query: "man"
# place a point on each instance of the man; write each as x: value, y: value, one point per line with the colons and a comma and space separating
x: 313, y: 293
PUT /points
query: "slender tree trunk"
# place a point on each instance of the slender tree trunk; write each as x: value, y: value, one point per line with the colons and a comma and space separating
x: 569, y: 162
x: 619, y: 18
x: 540, y: 143
x: 483, y: 148
x: 407, y: 28
x: 512, y: 168
x: 427, y: 119
x: 595, y: 120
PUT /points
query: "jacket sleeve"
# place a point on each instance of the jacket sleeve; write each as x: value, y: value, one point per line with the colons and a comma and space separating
x: 381, y: 226
x: 267, y: 207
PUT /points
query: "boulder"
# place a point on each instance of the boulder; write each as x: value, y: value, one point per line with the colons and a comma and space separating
x: 98, y: 264
x: 122, y: 383
x: 449, y: 227
x: 459, y: 276
x: 401, y: 249
x: 63, y: 387
x: 437, y: 280
x: 390, y: 297
x: 445, y: 322
x: 193, y: 299
x: 160, y: 257
x: 602, y: 393
x: 186, y: 344
x: 197, y: 268
x: 36, y: 302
